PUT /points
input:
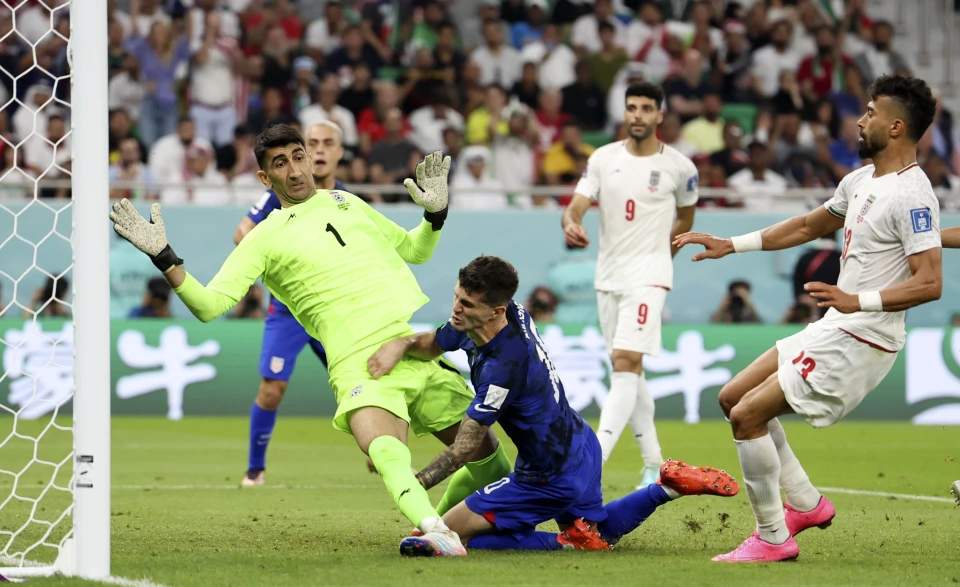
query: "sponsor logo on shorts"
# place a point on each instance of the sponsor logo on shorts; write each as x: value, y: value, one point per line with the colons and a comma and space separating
x: 356, y: 391
x: 276, y: 364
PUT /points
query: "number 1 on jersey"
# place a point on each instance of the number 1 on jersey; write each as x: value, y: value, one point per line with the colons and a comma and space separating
x: 336, y: 234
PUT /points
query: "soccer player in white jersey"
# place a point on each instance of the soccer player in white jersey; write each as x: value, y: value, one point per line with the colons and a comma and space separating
x: 890, y: 261
x: 647, y: 193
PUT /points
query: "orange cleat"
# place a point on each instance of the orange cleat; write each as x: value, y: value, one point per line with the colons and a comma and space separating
x: 580, y: 536
x: 690, y: 480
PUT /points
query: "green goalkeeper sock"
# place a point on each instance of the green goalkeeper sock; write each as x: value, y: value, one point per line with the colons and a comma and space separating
x: 473, y: 476
x: 393, y: 461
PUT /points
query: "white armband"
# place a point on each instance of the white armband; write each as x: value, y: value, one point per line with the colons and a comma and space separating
x: 748, y: 242
x: 870, y: 301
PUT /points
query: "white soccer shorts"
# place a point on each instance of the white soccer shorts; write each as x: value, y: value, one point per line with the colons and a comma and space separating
x: 631, y: 320
x: 825, y: 372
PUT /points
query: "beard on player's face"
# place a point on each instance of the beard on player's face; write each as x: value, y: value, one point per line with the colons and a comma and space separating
x: 870, y: 144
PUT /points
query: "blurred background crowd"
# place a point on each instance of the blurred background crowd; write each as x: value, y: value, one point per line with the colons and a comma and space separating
x: 763, y: 95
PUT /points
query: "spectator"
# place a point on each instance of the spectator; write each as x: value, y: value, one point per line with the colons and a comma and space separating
x: 250, y: 88
x: 851, y: 99
x: 585, y: 101
x: 843, y: 152
x: 791, y: 135
x: 472, y: 33
x: 470, y: 94
x: 646, y: 34
x: 826, y: 123
x: 821, y: 262
x: 631, y: 73
x: 514, y: 154
x: 706, y: 38
x: 821, y: 74
x: 37, y: 106
x: 428, y: 123
x: 705, y: 132
x: 731, y: 158
x: 568, y: 11
x: 389, y: 157
x: 945, y: 138
x: 276, y: 14
x: 771, y: 61
x: 50, y: 300
x: 803, y: 310
x: 685, y: 91
x: 129, y: 270
x: 804, y: 36
x: 527, y: 89
x: 278, y: 53
x: 472, y: 187
x: 131, y: 168
x: 148, y: 13
x: 585, y: 35
x: 197, y: 15
x: 499, y: 64
x: 121, y: 128
x: 305, y: 84
x: 487, y: 120
x: 551, y: 117
x: 16, y: 179
x: 604, y: 64
x: 424, y: 33
x: 270, y: 112
x: 513, y: 11
x: 572, y: 280
x: 940, y: 174
x: 757, y: 178
x: 732, y: 64
x: 156, y: 300
x: 446, y: 55
x: 199, y: 182
x: 560, y: 161
x: 359, y: 96
x: 789, y: 98
x: 353, y: 52
x: 49, y: 155
x: 555, y: 59
x: 359, y: 173
x: 327, y: 108
x: 670, y: 134
x: 737, y: 306
x: 542, y: 305
x: 250, y: 306
x: 124, y: 91
x: 160, y: 55
x: 879, y: 58
x: 237, y: 159
x: 531, y: 29
x: 417, y: 83
x: 371, y: 124
x: 115, y: 52
x: 323, y: 35
x: 212, y: 90
x: 452, y: 145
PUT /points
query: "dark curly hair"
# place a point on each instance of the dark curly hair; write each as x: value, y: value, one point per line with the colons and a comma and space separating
x: 495, y: 280
x: 646, y: 90
x: 278, y: 135
x: 912, y: 96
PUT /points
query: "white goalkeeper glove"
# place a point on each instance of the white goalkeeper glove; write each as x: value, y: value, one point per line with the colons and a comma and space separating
x: 149, y: 237
x: 430, y: 189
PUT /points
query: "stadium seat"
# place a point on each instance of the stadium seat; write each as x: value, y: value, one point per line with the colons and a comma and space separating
x: 595, y: 138
x: 742, y: 113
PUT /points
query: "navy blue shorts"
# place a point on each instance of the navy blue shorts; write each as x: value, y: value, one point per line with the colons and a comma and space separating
x: 514, y: 505
x: 283, y: 340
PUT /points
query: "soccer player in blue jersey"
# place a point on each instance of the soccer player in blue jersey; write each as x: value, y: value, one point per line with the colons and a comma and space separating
x: 559, y: 461
x: 283, y: 337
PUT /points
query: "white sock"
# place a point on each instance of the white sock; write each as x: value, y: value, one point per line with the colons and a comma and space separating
x: 432, y: 524
x: 616, y: 410
x: 671, y: 492
x: 794, y: 481
x: 644, y: 429
x: 761, y: 475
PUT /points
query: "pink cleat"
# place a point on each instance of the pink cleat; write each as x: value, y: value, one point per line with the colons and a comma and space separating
x: 820, y: 516
x: 754, y: 550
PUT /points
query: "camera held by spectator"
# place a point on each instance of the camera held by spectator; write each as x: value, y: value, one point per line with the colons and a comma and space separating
x: 737, y: 306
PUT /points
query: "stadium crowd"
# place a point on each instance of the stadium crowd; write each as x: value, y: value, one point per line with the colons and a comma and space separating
x: 763, y: 95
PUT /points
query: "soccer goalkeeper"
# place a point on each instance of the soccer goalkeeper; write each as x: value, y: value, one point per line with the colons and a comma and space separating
x: 341, y: 268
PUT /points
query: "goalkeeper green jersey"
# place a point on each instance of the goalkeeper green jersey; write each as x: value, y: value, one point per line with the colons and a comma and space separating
x: 337, y: 264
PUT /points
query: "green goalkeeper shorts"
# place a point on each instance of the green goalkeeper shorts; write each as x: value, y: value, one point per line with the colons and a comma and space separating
x: 429, y: 395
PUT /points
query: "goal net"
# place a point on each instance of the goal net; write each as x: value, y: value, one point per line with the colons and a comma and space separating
x: 54, y: 289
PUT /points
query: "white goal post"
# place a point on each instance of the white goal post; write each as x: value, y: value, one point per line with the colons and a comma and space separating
x: 72, y: 538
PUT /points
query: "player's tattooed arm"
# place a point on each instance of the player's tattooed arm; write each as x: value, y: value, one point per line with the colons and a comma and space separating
x: 456, y: 455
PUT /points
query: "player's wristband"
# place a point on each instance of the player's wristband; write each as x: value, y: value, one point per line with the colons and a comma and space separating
x: 166, y: 260
x: 870, y: 301
x: 435, y: 219
x: 748, y: 242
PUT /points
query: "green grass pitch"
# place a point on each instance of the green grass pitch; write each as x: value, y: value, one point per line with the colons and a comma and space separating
x: 180, y: 520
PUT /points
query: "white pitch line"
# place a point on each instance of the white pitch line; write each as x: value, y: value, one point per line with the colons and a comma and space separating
x: 123, y: 581
x: 885, y: 494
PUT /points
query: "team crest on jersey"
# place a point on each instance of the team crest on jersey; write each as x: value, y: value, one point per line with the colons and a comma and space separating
x: 866, y: 207
x: 276, y: 364
x: 341, y: 201
x: 654, y: 181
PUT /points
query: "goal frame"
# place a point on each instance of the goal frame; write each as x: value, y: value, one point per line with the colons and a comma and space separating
x: 87, y: 553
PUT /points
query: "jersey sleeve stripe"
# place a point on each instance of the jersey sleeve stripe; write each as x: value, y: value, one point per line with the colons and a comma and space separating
x: 835, y: 213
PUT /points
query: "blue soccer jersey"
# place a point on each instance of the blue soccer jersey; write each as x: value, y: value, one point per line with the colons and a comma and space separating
x: 517, y: 385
